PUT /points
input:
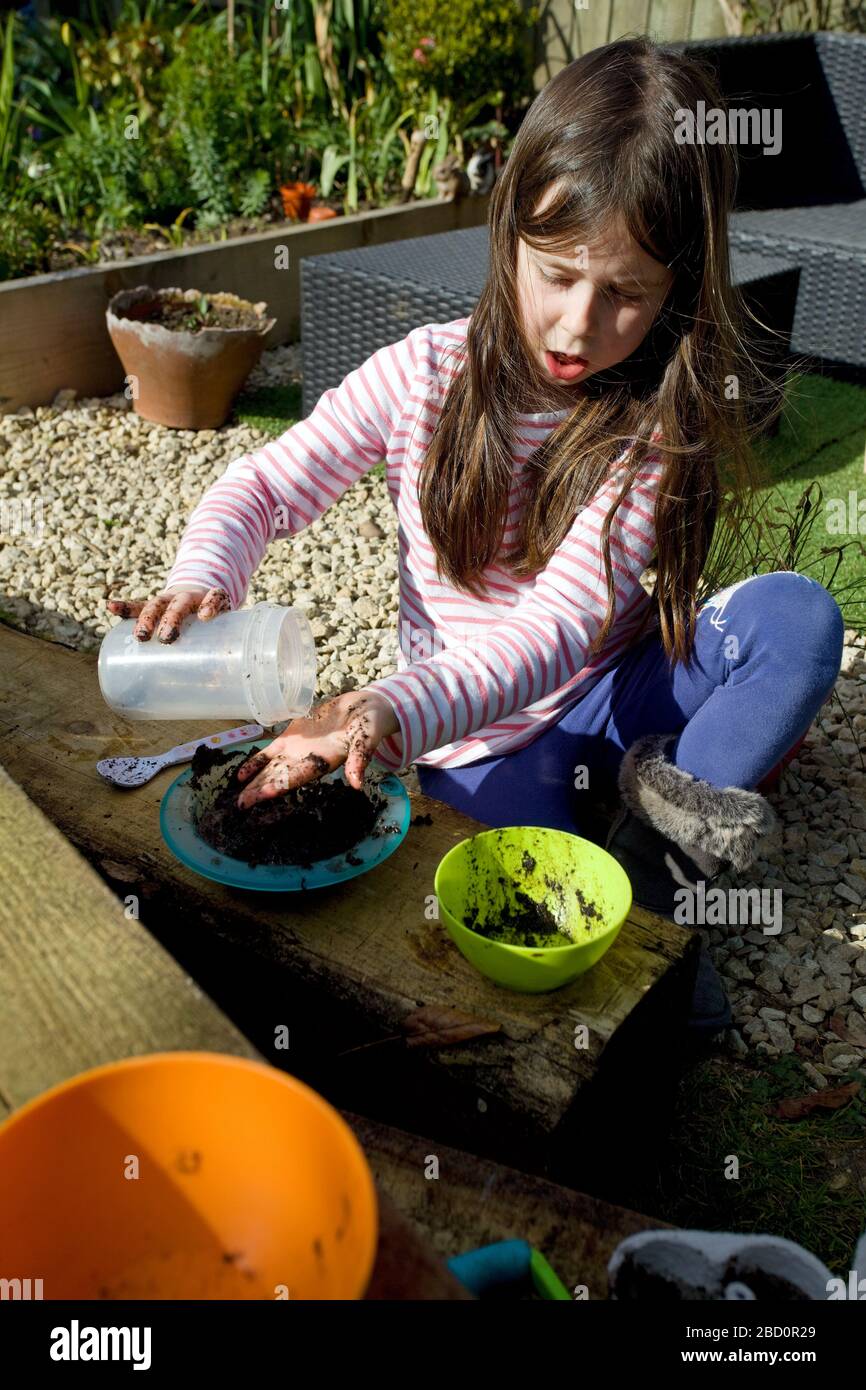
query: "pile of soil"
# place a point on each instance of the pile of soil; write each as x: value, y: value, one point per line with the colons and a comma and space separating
x: 529, y: 924
x: 191, y: 315
x: 311, y: 822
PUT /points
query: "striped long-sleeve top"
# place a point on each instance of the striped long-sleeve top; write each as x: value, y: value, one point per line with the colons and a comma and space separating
x: 473, y: 677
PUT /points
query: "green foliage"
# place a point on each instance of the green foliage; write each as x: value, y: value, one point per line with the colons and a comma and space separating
x: 365, y: 157
x: 94, y: 172
x: 141, y: 114
x: 27, y: 233
x: 777, y: 16
x: 129, y: 57
x: 209, y: 108
x: 10, y: 109
x: 255, y: 191
x: 461, y: 48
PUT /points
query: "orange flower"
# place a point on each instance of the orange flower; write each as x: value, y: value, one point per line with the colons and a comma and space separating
x: 296, y: 198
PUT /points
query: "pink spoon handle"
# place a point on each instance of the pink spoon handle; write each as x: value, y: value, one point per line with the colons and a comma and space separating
x: 186, y: 750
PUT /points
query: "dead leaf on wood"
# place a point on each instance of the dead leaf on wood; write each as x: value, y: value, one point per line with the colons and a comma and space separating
x: 124, y: 873
x: 434, y: 1026
x: 831, y: 1098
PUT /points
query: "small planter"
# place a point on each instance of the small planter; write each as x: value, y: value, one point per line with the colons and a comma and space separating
x: 185, y: 371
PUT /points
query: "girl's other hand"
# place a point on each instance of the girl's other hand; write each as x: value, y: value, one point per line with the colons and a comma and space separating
x: 169, y: 610
x: 347, y: 728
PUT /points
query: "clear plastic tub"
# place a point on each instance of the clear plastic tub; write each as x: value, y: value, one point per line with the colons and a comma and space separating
x: 255, y: 663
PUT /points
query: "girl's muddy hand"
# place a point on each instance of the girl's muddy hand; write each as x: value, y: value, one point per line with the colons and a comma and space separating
x: 348, y: 729
x: 169, y: 610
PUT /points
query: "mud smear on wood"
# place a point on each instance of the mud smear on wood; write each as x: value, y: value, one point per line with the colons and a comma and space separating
x: 312, y: 822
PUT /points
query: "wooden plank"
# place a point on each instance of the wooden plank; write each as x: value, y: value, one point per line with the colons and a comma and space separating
x: 626, y: 17
x: 360, y: 955
x: 54, y: 331
x: 593, y: 22
x: 474, y: 1202
x: 670, y: 20
x: 68, y: 954
x: 707, y: 20
x: 81, y: 984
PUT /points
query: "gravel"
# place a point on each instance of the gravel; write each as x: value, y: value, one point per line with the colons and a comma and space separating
x: 107, y: 496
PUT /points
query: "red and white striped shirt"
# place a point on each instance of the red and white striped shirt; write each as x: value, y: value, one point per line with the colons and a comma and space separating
x: 474, y: 677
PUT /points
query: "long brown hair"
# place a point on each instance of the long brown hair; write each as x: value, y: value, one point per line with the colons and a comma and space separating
x: 602, y: 134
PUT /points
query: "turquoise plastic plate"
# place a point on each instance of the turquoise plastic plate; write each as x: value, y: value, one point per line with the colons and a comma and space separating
x: 179, y: 833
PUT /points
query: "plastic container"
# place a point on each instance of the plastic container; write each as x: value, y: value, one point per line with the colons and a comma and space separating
x: 255, y: 663
x: 250, y: 1186
x: 486, y: 872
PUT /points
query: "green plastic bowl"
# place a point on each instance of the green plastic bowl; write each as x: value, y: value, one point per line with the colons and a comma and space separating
x: 484, y: 874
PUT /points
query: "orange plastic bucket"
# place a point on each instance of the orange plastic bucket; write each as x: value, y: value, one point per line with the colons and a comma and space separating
x: 185, y: 1175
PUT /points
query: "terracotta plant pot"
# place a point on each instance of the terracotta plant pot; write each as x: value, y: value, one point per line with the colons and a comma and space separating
x: 183, y: 378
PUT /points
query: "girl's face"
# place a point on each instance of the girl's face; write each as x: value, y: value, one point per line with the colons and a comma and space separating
x: 597, y: 303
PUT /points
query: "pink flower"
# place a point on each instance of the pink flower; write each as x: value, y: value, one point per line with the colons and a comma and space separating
x: 419, y: 55
x: 428, y: 41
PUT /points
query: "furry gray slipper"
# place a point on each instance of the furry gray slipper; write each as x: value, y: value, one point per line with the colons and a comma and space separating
x: 675, y: 831
x: 710, y: 824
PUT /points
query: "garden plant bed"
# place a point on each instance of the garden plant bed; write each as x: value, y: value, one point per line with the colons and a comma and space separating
x: 54, y: 324
x: 76, y: 251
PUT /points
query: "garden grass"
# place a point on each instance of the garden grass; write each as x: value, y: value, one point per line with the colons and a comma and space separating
x: 821, y: 438
x: 272, y: 409
x: 801, y: 1179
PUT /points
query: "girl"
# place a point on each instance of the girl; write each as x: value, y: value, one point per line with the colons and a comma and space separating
x: 540, y: 455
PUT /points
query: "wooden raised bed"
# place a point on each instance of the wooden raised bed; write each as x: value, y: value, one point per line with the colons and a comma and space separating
x: 53, y: 326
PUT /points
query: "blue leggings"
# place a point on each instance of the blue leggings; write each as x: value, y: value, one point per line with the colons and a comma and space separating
x: 767, y: 653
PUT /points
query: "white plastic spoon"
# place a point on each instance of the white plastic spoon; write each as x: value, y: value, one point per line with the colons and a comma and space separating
x: 134, y: 772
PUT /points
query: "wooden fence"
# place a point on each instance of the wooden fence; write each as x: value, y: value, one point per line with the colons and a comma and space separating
x: 568, y: 28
